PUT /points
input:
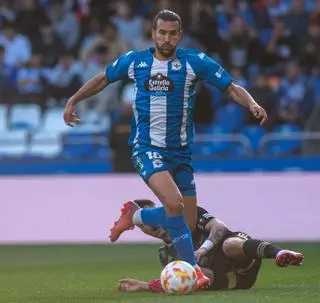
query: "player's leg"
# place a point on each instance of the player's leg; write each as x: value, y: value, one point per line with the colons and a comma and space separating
x: 184, y: 178
x: 153, y: 166
x: 243, y: 246
x: 163, y: 186
x: 147, y: 162
x: 168, y: 193
x: 245, y: 268
x: 190, y: 211
x: 233, y: 248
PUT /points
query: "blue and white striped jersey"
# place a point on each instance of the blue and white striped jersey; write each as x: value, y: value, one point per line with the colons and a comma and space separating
x: 163, y: 100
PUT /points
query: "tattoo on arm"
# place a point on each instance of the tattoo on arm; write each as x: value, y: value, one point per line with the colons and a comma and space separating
x: 217, y: 229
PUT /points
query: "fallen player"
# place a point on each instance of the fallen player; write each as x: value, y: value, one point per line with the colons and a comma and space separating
x: 232, y: 260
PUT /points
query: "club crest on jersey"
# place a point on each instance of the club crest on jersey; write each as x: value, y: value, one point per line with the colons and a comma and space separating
x: 159, y: 84
x: 157, y: 163
x: 176, y: 64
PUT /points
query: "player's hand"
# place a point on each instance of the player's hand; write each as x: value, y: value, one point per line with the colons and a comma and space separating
x: 258, y: 112
x: 199, y: 253
x: 69, y: 117
x: 131, y: 285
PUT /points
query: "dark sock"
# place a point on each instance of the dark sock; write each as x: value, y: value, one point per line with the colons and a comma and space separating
x: 259, y: 249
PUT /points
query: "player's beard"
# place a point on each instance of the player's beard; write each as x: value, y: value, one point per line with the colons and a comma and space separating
x: 166, y: 50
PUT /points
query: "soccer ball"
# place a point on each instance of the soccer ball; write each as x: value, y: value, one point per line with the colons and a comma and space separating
x: 178, y: 278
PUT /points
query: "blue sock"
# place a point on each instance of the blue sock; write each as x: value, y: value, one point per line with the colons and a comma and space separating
x: 154, y: 216
x: 181, y: 237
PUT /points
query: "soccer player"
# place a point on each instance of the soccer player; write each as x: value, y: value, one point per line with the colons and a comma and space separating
x: 232, y: 260
x: 162, y: 127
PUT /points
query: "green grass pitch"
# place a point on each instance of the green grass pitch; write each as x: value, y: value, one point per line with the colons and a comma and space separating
x: 88, y: 273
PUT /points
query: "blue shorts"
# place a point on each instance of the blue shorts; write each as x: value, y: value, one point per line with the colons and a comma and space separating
x: 148, y: 160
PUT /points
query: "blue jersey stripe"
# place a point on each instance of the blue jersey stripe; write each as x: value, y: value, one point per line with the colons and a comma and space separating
x: 175, y: 105
x: 141, y: 103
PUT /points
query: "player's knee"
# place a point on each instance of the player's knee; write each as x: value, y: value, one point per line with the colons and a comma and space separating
x: 232, y: 247
x: 175, y: 205
x: 175, y: 208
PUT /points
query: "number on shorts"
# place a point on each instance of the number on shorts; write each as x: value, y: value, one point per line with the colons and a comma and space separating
x: 153, y: 155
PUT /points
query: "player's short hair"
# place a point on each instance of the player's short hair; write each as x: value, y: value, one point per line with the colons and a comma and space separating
x: 166, y: 15
x: 142, y: 203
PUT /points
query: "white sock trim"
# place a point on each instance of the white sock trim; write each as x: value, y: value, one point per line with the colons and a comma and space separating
x: 136, y: 218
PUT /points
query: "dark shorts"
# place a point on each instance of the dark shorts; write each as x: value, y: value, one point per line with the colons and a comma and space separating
x: 149, y: 160
x: 231, y: 275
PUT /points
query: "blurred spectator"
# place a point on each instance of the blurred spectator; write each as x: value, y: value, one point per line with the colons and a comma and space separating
x: 109, y: 38
x: 102, y: 9
x: 204, y: 110
x: 6, y: 14
x: 310, y: 46
x: 312, y: 147
x: 29, y: 17
x: 162, y: 4
x: 118, y: 140
x: 202, y: 19
x: 298, y: 18
x: 243, y: 45
x: 281, y: 45
x: 129, y: 25
x: 145, y: 41
x: 48, y: 43
x: 30, y: 84
x: 7, y: 79
x: 65, y: 24
x: 17, y: 46
x: 293, y: 104
x: 90, y: 66
x: 64, y: 79
x: 277, y: 8
x: 261, y: 15
x: 316, y: 12
x: 264, y: 95
x: 117, y: 45
x: 228, y: 10
x: 238, y: 77
x: 91, y: 28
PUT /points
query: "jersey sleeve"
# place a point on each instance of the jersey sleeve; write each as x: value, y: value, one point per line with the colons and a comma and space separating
x: 204, y: 217
x: 121, y: 68
x: 211, y: 71
x: 155, y: 285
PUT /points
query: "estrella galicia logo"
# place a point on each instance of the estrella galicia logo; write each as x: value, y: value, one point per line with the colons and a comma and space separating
x: 159, y: 84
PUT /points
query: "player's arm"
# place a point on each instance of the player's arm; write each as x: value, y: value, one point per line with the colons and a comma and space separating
x: 217, y: 232
x: 90, y: 88
x: 211, y: 71
x: 240, y: 95
x: 116, y: 71
x: 134, y: 285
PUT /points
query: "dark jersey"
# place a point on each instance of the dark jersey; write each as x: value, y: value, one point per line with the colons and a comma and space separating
x: 228, y: 274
